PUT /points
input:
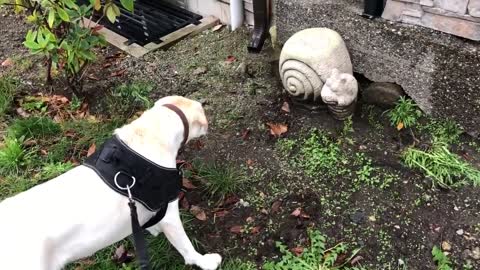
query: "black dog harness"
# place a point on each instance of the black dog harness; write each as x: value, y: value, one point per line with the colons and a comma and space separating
x: 139, y: 179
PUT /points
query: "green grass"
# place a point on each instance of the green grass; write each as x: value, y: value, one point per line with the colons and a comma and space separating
x: 238, y: 264
x: 54, y: 169
x: 34, y: 127
x: 445, y: 168
x: 446, y: 131
x: 441, y: 260
x: 315, y: 257
x: 7, y: 91
x: 220, y: 180
x: 405, y: 114
x: 13, y: 156
x: 11, y: 185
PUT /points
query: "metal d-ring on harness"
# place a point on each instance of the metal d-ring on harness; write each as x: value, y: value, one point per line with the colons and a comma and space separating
x: 137, y: 231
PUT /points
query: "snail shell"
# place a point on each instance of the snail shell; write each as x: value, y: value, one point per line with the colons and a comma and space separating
x: 300, y: 80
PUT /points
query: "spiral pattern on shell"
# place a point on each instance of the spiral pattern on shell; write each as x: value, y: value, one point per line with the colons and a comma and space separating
x: 300, y: 80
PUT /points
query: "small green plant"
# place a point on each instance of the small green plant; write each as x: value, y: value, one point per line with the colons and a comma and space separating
x: 75, y: 103
x: 405, y: 114
x: 7, y: 90
x: 220, y: 180
x: 315, y: 257
x: 34, y: 127
x: 126, y: 99
x: 285, y: 146
x: 444, y: 131
x: 369, y: 175
x: 318, y: 155
x: 238, y: 264
x: 442, y: 261
x: 13, y: 156
x: 443, y: 167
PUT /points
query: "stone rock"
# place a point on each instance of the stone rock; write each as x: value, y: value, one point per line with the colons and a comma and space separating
x: 358, y: 217
x: 446, y: 246
x: 474, y: 8
x: 382, y: 94
x: 439, y: 71
x: 199, y: 71
x: 475, y: 253
x: 460, y: 232
x: 457, y: 6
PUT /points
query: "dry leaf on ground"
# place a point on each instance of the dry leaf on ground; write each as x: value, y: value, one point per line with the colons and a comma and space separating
x: 198, y: 212
x: 277, y: 129
x: 286, y: 107
x: 91, y: 150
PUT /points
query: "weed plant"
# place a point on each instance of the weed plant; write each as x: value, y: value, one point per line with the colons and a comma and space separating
x: 220, y: 180
x: 51, y: 170
x: 404, y: 114
x: 444, y: 168
x: 446, y: 131
x: 441, y: 260
x: 126, y: 99
x: 315, y: 257
x: 34, y: 127
x: 7, y: 91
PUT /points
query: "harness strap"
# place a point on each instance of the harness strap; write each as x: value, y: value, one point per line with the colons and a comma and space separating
x: 184, y: 121
x: 139, y: 239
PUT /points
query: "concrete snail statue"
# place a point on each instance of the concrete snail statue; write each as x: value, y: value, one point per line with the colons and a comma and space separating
x: 315, y: 67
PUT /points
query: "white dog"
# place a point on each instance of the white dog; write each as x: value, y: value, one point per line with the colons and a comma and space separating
x: 76, y: 214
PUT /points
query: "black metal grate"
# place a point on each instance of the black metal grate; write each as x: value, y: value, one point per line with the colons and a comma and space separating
x: 151, y: 20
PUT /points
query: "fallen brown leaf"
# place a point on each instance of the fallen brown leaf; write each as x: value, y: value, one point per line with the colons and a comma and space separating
x: 91, y: 149
x: 249, y: 162
x: 118, y: 73
x: 236, y: 229
x: 231, y: 59
x: 296, y: 212
x: 22, y: 112
x: 276, y: 206
x: 221, y: 213
x: 255, y: 230
x: 43, y: 152
x: 356, y: 259
x: 286, y: 107
x: 217, y: 27
x: 187, y: 184
x: 184, y: 203
x: 231, y: 200
x: 93, y: 77
x: 7, y: 63
x: 246, y: 134
x: 297, y: 250
x: 198, y: 212
x: 277, y: 129
x: 250, y: 219
x: 400, y: 126
x: 107, y: 65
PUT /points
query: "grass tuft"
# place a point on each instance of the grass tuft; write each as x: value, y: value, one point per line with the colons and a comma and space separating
x: 237, y: 264
x: 126, y: 99
x: 34, y: 127
x: 405, y: 114
x: 7, y: 90
x: 220, y: 180
x: 13, y: 156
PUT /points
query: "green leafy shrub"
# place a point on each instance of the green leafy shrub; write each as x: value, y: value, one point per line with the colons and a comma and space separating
x: 444, y: 131
x: 315, y: 257
x: 405, y: 114
x: 58, y: 35
x: 444, y: 168
x: 442, y: 261
x: 34, y: 127
x: 7, y: 90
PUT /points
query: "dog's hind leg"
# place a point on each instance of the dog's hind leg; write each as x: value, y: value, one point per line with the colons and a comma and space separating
x: 171, y: 226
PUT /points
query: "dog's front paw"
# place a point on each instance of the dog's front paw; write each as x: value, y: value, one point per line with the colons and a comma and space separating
x: 209, y: 261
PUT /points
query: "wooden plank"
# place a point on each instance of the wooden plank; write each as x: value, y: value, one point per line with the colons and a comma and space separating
x: 189, y: 30
x: 117, y: 40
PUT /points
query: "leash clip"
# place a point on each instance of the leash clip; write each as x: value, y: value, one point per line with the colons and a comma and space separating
x: 127, y: 187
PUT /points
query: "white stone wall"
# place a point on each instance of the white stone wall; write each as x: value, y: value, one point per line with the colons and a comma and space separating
x: 457, y: 17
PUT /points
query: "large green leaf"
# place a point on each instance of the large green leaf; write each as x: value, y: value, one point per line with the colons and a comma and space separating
x: 70, y: 4
x: 51, y: 17
x: 63, y: 15
x: 32, y: 45
x: 127, y: 4
x: 110, y: 12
